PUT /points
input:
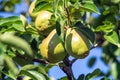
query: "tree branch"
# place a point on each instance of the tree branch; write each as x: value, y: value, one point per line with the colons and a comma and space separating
x: 40, y: 61
x: 68, y: 68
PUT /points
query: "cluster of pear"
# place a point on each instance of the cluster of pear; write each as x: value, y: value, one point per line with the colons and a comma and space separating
x: 52, y: 48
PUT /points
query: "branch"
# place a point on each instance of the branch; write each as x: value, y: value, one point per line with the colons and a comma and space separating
x: 68, y: 68
x: 40, y: 61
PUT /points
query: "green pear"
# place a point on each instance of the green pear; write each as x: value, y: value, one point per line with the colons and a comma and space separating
x: 43, y: 23
x: 76, y: 44
x: 52, y: 48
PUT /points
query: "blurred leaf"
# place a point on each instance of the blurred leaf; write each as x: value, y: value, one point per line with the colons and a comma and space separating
x: 92, y: 61
x: 33, y: 74
x: 117, y: 52
x: 31, y: 30
x: 22, y: 61
x: 1, y: 62
x: 48, y: 67
x: 12, y: 67
x: 90, y: 7
x: 9, y: 20
x: 42, y: 5
x: 105, y: 78
x: 63, y: 78
x: 107, y: 27
x: 81, y: 77
x: 39, y: 68
x: 112, y: 38
x: 37, y: 75
x: 94, y: 74
x: 114, y: 70
x: 15, y: 41
x: 76, y: 4
x: 11, y: 23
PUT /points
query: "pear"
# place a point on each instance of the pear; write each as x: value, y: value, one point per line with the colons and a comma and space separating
x: 76, y: 44
x: 32, y: 6
x: 43, y: 23
x: 52, y: 48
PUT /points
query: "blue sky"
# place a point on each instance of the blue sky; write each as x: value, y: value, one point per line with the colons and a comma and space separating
x: 81, y: 67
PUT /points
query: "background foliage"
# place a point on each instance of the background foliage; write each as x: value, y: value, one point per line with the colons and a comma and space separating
x: 19, y: 41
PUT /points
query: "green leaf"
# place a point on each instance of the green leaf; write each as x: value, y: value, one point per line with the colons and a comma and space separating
x: 21, y: 62
x: 81, y: 77
x: 37, y: 75
x: 42, y: 5
x: 33, y: 74
x: 15, y: 41
x: 94, y: 74
x: 113, y: 38
x: 88, y: 33
x: 12, y: 67
x: 39, y: 68
x: 90, y: 7
x: 117, y: 52
x: 9, y: 20
x: 105, y: 78
x: 107, y: 27
x: 63, y: 78
x: 92, y: 61
x: 88, y: 1
x: 114, y: 70
x: 11, y: 24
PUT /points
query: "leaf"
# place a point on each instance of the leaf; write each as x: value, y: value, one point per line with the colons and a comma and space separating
x: 113, y: 38
x: 107, y: 27
x: 33, y: 74
x: 114, y: 70
x: 117, y: 52
x: 15, y: 41
x: 63, y: 78
x: 12, y: 67
x: 37, y: 75
x: 9, y: 20
x: 39, y: 68
x: 81, y: 77
x: 11, y: 23
x: 95, y: 73
x: 105, y: 78
x: 91, y: 62
x: 88, y: 33
x: 58, y: 28
x: 21, y: 62
x: 42, y: 5
x: 90, y: 7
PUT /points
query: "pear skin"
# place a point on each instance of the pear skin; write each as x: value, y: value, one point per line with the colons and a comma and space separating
x: 76, y: 44
x: 52, y: 48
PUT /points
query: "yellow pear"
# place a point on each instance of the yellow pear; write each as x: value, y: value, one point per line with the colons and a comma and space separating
x: 52, y: 48
x: 26, y: 78
x: 32, y: 6
x: 43, y: 23
x: 76, y: 44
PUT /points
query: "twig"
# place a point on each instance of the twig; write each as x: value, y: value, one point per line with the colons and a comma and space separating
x: 40, y: 61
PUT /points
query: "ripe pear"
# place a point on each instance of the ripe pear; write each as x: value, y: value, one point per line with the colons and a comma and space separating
x: 32, y: 6
x: 76, y: 44
x: 43, y: 23
x: 26, y: 78
x: 52, y: 48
